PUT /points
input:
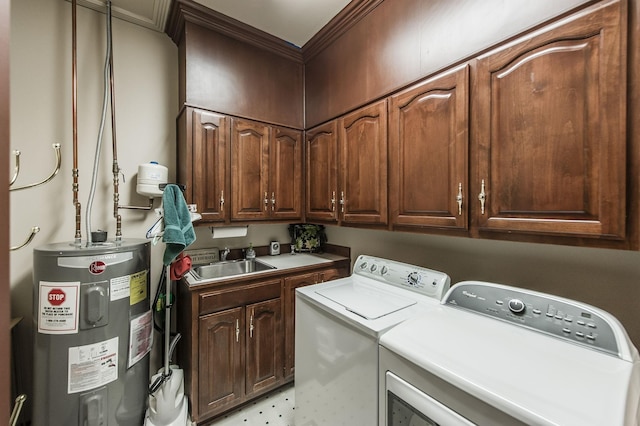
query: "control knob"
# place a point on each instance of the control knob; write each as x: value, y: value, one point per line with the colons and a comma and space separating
x: 516, y: 306
x: 413, y: 279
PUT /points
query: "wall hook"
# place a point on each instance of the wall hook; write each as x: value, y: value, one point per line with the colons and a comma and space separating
x: 34, y: 231
x: 56, y: 147
x: 16, y: 168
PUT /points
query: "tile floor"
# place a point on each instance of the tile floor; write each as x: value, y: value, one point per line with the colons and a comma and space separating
x: 273, y: 409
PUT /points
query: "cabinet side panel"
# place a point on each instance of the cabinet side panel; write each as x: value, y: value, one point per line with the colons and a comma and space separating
x: 227, y: 75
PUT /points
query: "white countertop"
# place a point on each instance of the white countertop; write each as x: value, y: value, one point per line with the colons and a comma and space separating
x: 298, y: 260
x: 280, y: 262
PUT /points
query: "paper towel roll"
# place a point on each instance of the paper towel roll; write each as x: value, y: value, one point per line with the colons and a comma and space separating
x: 229, y: 232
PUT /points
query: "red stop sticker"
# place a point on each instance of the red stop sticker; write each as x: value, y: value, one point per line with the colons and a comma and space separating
x: 97, y: 267
x: 56, y: 296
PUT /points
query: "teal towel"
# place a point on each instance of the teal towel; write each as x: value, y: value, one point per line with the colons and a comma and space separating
x: 178, y: 230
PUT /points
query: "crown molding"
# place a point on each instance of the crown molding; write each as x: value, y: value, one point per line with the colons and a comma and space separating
x: 189, y: 11
x: 155, y: 21
x: 353, y: 13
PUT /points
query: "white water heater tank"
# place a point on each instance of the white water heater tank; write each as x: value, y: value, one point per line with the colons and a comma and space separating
x: 150, y: 177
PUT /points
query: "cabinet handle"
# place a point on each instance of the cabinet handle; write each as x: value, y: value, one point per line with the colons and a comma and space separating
x: 333, y: 201
x: 342, y: 201
x: 459, y: 199
x: 251, y: 325
x: 222, y: 198
x: 237, y: 329
x: 273, y: 201
x: 266, y: 201
x: 482, y: 197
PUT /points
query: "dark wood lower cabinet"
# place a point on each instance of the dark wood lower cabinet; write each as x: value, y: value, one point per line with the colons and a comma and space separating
x: 264, y: 360
x: 238, y: 337
x: 221, y: 337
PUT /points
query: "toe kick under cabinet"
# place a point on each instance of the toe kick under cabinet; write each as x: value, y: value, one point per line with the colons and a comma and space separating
x: 236, y: 335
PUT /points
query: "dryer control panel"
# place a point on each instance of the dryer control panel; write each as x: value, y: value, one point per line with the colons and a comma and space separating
x: 563, y: 318
x: 410, y: 277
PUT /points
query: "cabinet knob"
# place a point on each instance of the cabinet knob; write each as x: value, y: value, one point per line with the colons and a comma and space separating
x: 333, y: 201
x: 266, y: 201
x: 459, y: 199
x: 251, y: 325
x: 482, y: 197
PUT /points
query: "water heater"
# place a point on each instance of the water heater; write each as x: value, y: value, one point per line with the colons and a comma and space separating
x: 93, y: 332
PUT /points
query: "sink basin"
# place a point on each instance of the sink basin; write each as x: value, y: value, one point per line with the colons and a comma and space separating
x: 229, y: 268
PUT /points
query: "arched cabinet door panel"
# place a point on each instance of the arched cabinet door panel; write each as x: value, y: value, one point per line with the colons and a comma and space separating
x: 550, y: 130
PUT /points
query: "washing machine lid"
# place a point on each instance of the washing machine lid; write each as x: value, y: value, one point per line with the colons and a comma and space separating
x: 365, y: 300
x: 536, y: 378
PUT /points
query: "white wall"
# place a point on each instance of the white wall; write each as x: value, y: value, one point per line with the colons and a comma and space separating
x: 146, y: 75
x: 146, y: 98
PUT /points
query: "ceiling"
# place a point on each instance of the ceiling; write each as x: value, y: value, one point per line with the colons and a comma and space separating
x: 294, y: 21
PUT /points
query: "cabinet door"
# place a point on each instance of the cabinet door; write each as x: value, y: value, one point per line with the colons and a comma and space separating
x: 363, y: 165
x: 428, y: 149
x: 322, y: 172
x: 285, y: 174
x: 249, y: 170
x: 265, y: 364
x: 220, y: 360
x: 333, y: 274
x: 550, y: 120
x: 290, y: 285
x: 209, y: 164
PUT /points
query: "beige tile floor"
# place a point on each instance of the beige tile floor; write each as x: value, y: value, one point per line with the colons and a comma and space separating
x: 274, y: 409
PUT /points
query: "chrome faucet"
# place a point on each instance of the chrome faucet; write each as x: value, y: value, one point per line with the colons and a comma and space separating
x: 224, y: 254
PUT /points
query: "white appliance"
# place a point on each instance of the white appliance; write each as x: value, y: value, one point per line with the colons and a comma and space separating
x: 506, y: 356
x: 338, y: 325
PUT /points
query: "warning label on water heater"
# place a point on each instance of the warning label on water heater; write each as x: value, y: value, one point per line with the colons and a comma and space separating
x: 58, y: 307
x: 91, y: 366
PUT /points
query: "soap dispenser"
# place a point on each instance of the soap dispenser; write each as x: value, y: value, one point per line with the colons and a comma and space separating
x: 250, y: 253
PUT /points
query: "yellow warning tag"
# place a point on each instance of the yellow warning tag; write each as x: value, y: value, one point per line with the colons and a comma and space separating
x: 138, y: 289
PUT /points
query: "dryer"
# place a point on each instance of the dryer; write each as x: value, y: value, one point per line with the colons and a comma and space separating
x: 498, y: 355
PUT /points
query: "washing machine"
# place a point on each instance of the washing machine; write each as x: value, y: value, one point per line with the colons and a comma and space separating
x: 498, y: 355
x: 337, y: 328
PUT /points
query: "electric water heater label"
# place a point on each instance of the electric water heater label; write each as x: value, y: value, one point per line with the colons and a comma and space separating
x: 140, y: 337
x: 91, y: 366
x: 58, y: 307
x: 119, y: 287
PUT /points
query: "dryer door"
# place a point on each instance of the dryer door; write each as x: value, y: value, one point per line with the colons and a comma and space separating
x: 408, y: 405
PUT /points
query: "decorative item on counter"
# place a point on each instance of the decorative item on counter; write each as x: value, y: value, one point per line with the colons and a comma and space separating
x: 250, y: 253
x: 274, y: 248
x: 306, y: 237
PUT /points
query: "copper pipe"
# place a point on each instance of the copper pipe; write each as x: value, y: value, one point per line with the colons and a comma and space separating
x: 115, y: 167
x: 74, y: 97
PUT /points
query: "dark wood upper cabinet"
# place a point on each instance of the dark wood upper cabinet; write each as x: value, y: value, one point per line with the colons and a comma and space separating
x: 285, y: 173
x: 249, y: 169
x: 266, y: 171
x: 550, y: 135
x: 322, y: 172
x: 209, y: 164
x: 428, y: 153
x: 363, y: 165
